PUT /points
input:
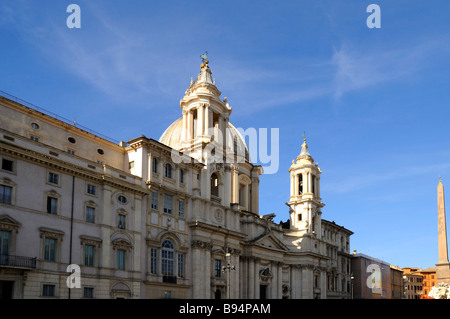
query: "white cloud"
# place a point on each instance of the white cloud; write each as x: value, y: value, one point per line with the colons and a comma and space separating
x: 347, y: 183
x: 362, y: 68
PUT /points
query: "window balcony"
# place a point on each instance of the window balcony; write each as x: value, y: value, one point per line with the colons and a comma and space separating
x: 170, y: 279
x: 11, y: 261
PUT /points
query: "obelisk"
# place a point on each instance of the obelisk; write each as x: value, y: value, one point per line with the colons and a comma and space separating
x: 443, y: 266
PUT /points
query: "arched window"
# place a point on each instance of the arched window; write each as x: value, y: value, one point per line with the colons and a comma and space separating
x: 167, y: 258
x: 168, y: 172
x: 313, y: 187
x: 214, y: 185
x: 300, y: 184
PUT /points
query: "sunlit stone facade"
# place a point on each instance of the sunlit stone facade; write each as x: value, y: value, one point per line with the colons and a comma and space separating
x: 158, y: 218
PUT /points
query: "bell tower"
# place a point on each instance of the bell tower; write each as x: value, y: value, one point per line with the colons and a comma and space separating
x: 304, y: 202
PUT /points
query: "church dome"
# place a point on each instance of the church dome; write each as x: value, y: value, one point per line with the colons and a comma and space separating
x: 172, y: 137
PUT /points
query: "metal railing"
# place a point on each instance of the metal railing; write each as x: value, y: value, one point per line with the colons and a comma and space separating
x: 56, y: 116
x: 17, y: 261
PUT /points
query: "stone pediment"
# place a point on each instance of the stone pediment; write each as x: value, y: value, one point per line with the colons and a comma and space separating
x: 270, y: 241
x: 8, y: 223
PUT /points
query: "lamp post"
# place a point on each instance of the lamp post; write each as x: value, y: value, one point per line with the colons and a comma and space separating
x: 352, y: 279
x: 228, y: 269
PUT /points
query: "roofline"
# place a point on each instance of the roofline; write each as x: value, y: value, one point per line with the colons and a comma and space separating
x: 27, y: 106
x: 338, y: 226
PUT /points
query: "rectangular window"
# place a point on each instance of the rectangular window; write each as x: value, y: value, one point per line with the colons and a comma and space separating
x: 168, y: 204
x: 5, y: 239
x: 217, y: 268
x: 121, y: 259
x: 153, y: 261
x: 7, y: 165
x: 91, y: 189
x: 34, y: 138
x: 181, y: 208
x: 154, y: 165
x: 155, y: 200
x: 53, y: 178
x: 131, y: 165
x: 48, y: 290
x: 5, y: 194
x: 181, y: 176
x: 90, y: 214
x: 168, y: 172
x: 121, y: 223
x: 50, y: 249
x: 89, y: 255
x: 52, y: 205
x: 88, y: 292
x: 71, y: 151
x: 167, y: 262
x: 181, y: 265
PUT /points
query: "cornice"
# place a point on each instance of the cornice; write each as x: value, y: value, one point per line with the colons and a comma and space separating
x: 69, y: 168
x: 216, y: 229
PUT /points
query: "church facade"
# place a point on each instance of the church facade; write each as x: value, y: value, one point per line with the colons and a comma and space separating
x: 176, y: 217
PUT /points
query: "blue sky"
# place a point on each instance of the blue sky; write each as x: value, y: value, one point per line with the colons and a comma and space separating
x: 374, y: 102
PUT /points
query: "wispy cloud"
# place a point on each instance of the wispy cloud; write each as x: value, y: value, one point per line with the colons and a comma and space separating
x: 360, y: 180
x: 362, y: 68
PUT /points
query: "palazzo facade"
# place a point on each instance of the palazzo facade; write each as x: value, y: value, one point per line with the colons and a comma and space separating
x: 176, y: 217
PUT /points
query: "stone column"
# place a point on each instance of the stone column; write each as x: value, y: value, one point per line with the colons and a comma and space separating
x: 307, y: 283
x: 207, y: 120
x: 184, y: 133
x: 207, y: 272
x: 251, y: 278
x: 137, y: 216
x: 280, y: 281
x: 149, y: 166
x: 201, y: 269
x: 196, y: 273
x: 222, y: 129
x: 227, y: 180
x: 105, y: 260
x: 256, y: 281
x: 255, y: 195
x: 292, y: 282
x: 318, y: 187
x: 295, y: 185
x: 292, y: 185
x: 190, y: 125
x: 199, y: 127
x: 235, y: 186
x: 310, y: 190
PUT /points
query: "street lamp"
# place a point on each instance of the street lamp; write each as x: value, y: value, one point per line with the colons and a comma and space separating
x: 352, y: 279
x: 228, y: 269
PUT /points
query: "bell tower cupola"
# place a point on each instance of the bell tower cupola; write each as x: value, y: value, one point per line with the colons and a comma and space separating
x: 205, y: 114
